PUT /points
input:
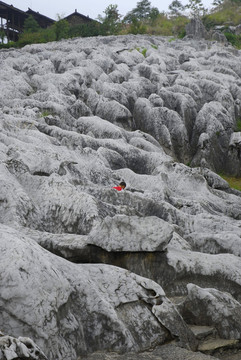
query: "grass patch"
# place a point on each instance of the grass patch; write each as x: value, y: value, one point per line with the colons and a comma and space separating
x: 234, y: 182
x: 238, y: 125
x: 235, y: 40
x: 144, y: 52
x: 45, y: 113
x: 140, y: 50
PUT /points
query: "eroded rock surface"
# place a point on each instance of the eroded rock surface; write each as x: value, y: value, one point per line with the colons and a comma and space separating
x: 21, y: 348
x: 72, y: 309
x: 86, y: 268
x: 210, y: 306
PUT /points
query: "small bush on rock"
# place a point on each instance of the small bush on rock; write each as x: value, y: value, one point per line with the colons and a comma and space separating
x: 235, y: 40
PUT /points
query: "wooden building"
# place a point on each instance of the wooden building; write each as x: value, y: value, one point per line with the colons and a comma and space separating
x: 12, y: 20
x: 42, y: 20
x: 77, y: 19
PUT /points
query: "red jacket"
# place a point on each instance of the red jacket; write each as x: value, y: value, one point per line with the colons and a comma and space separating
x: 118, y: 188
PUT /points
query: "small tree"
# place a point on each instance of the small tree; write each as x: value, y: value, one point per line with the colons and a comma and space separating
x: 176, y: 8
x: 137, y: 27
x: 142, y: 11
x: 111, y: 21
x: 197, y: 8
x: 61, y: 28
x: 30, y: 25
x: 93, y: 28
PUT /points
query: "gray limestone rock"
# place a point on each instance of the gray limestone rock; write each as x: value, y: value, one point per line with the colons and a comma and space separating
x: 166, y: 126
x: 218, y: 36
x: 76, y: 309
x: 196, y: 29
x: 131, y: 234
x: 78, y: 117
x: 210, y: 306
x: 20, y: 348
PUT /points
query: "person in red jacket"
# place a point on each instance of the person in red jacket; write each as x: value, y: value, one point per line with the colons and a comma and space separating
x: 121, y: 186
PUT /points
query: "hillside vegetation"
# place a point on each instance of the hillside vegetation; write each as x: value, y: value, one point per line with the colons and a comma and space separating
x: 143, y: 19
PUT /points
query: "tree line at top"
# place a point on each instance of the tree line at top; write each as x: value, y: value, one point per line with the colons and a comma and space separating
x: 143, y: 19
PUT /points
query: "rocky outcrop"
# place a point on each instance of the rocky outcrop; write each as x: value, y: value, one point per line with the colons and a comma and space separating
x: 196, y: 29
x: 21, y: 348
x: 210, y: 306
x: 85, y: 268
x: 150, y: 234
x: 72, y: 309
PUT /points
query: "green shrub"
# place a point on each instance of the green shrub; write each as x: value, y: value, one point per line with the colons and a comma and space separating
x: 30, y: 38
x: 48, y: 35
x: 31, y: 25
x: 166, y: 26
x: 161, y: 26
x: 9, y: 45
x: 228, y: 13
x: 179, y: 26
x: 45, y: 113
x: 86, y: 30
x: 42, y: 36
x: 144, y: 52
x: 136, y: 27
x: 238, y: 125
x: 235, y: 40
x: 61, y: 29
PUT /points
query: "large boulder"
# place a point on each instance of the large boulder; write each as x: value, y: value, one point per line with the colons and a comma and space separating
x: 131, y: 233
x: 70, y: 309
x: 196, y: 29
x: 210, y: 306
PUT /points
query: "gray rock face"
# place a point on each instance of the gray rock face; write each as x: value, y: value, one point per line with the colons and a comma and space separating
x: 210, y: 306
x: 196, y: 29
x: 84, y: 267
x: 131, y: 233
x: 75, y: 305
x: 21, y: 348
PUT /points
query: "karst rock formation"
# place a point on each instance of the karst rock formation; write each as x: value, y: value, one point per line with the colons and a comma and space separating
x: 87, y: 271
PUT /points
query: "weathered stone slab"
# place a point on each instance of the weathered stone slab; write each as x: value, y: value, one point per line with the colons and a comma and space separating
x: 212, y: 345
x: 131, y: 234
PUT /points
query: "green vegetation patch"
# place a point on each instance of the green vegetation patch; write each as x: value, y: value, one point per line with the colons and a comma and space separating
x: 235, y: 40
x: 143, y: 19
x: 144, y: 52
x: 45, y: 113
x: 234, y: 182
x: 238, y: 125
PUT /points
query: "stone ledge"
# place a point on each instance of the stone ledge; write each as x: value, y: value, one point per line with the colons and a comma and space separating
x: 212, y: 345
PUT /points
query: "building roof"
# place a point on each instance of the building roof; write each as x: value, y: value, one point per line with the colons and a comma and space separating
x: 40, y: 17
x: 76, y: 13
x: 5, y: 9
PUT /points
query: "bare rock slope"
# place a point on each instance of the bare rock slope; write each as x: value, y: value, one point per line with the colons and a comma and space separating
x: 83, y: 267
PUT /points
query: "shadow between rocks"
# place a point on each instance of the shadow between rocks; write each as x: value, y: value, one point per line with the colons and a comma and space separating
x: 152, y: 265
